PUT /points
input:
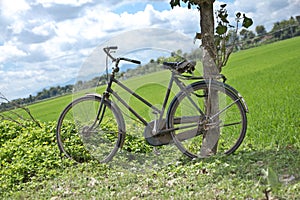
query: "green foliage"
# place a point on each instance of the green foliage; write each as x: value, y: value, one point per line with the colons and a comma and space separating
x: 226, y: 37
x: 224, y: 46
x: 260, y: 30
x: 27, y: 154
x: 136, y: 144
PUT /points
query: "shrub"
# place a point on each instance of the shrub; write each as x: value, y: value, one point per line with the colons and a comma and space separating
x: 27, y: 154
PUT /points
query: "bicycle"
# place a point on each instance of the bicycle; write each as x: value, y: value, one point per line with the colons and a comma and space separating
x: 93, y: 125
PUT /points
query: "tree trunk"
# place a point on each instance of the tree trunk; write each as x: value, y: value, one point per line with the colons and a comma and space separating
x: 210, y: 71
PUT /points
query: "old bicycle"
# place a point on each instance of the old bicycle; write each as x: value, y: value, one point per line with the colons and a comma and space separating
x: 93, y: 125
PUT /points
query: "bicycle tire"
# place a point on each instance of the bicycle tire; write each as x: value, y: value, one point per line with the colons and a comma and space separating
x: 232, y: 122
x: 77, y: 141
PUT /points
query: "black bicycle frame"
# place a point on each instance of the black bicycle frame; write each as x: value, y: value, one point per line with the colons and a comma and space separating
x: 147, y: 103
x: 174, y: 78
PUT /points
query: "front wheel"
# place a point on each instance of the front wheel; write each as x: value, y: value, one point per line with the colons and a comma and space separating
x: 80, y: 138
x: 189, y: 119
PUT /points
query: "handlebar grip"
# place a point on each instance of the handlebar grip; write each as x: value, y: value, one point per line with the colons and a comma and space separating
x: 136, y: 62
x: 131, y: 60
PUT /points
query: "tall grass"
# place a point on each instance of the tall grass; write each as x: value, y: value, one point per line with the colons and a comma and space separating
x: 268, y: 79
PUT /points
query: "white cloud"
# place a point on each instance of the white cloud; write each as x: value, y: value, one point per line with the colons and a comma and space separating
x: 50, y: 3
x: 16, y: 27
x: 44, y: 29
x: 10, y: 52
x: 10, y: 8
x: 268, y: 12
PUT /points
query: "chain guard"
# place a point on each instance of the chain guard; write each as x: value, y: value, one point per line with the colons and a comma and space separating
x: 155, y: 139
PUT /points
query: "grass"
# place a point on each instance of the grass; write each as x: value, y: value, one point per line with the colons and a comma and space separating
x: 236, y: 177
x: 271, y: 89
x: 267, y: 165
x: 53, y: 107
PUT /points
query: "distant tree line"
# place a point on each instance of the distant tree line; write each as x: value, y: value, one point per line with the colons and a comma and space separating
x: 281, y: 30
x: 44, y: 94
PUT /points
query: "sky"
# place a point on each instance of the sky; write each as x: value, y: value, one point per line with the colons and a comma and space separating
x: 46, y: 43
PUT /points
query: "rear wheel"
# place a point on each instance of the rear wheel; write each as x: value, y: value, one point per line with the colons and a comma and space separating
x: 187, y: 116
x: 79, y: 138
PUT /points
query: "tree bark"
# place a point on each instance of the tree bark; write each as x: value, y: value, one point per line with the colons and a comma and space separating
x: 210, y: 71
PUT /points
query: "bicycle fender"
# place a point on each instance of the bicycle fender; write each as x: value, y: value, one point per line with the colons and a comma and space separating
x: 94, y: 94
x: 242, y: 100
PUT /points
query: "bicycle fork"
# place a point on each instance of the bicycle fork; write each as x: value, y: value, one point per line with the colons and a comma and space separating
x: 102, y: 107
x: 100, y: 112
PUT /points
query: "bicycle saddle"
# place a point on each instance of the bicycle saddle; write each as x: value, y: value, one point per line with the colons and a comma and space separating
x: 181, y: 67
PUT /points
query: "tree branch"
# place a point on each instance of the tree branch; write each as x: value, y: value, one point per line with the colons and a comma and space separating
x: 16, y: 114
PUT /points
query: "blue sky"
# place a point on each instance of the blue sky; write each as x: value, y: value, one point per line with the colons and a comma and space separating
x: 46, y: 43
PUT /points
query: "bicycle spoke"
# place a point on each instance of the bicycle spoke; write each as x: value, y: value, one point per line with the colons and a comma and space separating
x: 223, y: 110
x: 231, y: 124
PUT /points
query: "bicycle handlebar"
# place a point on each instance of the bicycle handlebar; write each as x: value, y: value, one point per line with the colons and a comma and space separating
x: 108, y: 49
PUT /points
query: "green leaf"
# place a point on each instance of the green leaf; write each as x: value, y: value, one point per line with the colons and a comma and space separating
x: 223, y: 5
x: 272, y: 178
x: 247, y: 22
x: 174, y: 3
x: 198, y: 36
x: 221, y: 29
x: 223, y: 17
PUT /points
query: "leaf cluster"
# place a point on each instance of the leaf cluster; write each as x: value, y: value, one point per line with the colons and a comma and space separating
x: 226, y: 32
x: 190, y: 3
x: 223, y: 32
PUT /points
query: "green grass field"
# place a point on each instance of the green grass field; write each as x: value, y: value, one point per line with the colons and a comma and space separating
x: 267, y: 77
x: 267, y: 165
